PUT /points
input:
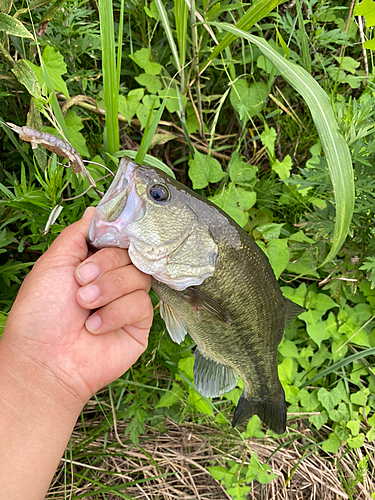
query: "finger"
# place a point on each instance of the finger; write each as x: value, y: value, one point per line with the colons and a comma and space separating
x: 70, y: 246
x: 113, y: 285
x: 100, y: 263
x: 133, y: 309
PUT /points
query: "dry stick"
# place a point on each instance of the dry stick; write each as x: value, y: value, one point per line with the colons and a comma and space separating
x: 362, y: 36
x: 114, y: 419
x: 195, y: 110
x: 327, y: 278
x: 125, y: 478
x: 291, y: 108
x: 74, y: 101
x: 100, y: 469
x: 80, y: 464
x: 86, y: 191
x: 262, y: 450
x: 208, y: 28
x: 100, y: 111
x: 347, y: 24
x: 199, y: 145
x: 178, y: 466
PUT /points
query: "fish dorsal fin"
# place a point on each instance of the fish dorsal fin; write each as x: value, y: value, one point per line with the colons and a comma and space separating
x: 212, y: 378
x: 292, y: 311
x: 175, y: 326
x: 200, y: 300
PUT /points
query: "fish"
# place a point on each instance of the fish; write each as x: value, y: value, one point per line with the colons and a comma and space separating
x: 213, y: 282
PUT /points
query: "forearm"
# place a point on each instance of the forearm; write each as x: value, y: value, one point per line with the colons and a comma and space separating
x: 50, y: 363
x: 36, y: 421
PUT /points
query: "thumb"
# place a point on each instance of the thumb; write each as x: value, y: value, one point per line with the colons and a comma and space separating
x: 71, y: 244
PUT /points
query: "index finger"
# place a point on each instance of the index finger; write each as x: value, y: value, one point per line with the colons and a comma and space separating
x: 70, y: 247
x: 106, y: 259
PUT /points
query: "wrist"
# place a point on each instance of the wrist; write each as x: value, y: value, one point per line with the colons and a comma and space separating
x: 26, y: 380
x: 37, y: 417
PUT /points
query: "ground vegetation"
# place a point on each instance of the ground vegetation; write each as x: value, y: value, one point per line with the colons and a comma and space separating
x: 267, y: 109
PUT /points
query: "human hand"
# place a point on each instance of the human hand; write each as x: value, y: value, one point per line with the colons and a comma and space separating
x: 47, y: 329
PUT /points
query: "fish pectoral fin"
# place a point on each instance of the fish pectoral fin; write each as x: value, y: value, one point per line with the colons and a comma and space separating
x: 175, y: 326
x: 211, y: 378
x: 200, y: 300
x: 292, y: 311
x: 271, y: 411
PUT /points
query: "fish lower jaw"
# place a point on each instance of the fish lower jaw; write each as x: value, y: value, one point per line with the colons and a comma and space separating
x: 179, y: 283
x: 104, y: 236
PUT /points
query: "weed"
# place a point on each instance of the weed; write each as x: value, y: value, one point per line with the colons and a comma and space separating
x: 267, y: 112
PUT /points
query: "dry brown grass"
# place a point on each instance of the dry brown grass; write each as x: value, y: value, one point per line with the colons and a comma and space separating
x: 172, y: 465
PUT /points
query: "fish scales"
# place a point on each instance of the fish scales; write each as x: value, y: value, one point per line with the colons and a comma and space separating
x: 212, y: 279
x: 237, y: 292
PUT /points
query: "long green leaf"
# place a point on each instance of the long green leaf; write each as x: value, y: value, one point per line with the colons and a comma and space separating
x: 334, y: 145
x: 107, y: 32
x: 149, y: 133
x: 256, y: 12
x: 168, y: 31
x: 13, y: 26
x: 119, y: 45
x: 149, y: 160
x: 165, y: 22
x: 343, y: 362
x: 306, y: 57
x: 181, y: 15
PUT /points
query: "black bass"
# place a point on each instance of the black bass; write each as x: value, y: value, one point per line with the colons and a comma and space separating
x: 213, y: 282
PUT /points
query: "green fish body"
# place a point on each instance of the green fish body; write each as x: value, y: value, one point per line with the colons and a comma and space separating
x: 213, y: 282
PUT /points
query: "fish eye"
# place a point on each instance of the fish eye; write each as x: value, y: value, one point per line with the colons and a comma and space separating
x: 159, y: 192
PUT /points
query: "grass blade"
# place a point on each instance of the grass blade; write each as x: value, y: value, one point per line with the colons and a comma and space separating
x: 255, y: 13
x: 149, y: 133
x: 304, y: 41
x: 181, y: 15
x: 119, y: 44
x: 339, y: 364
x: 107, y: 32
x: 148, y: 160
x: 334, y: 145
x: 168, y: 31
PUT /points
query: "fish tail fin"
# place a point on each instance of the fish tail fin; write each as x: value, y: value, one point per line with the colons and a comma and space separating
x: 272, y: 412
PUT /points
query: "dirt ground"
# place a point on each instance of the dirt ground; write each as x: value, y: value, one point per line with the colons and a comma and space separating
x: 172, y: 465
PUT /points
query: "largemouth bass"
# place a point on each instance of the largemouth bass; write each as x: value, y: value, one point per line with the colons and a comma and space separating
x: 213, y: 282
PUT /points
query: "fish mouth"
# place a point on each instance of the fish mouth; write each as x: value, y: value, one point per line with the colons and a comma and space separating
x: 120, y: 206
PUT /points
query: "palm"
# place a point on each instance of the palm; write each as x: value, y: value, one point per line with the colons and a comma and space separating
x: 51, y: 324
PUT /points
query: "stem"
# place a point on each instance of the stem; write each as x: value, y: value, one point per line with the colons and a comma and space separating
x: 8, y: 58
x: 196, y: 66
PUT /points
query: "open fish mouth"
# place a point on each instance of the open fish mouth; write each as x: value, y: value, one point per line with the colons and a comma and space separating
x: 120, y: 206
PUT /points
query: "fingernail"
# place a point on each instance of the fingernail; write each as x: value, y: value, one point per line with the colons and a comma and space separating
x: 93, y: 323
x: 88, y: 272
x: 86, y: 212
x: 89, y: 293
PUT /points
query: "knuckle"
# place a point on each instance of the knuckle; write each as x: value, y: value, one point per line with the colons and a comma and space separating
x: 147, y: 282
x: 116, y: 256
x: 143, y: 280
x: 120, y: 280
x: 144, y: 303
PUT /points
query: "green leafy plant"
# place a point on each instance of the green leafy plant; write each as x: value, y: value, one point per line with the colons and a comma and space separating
x: 193, y: 88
